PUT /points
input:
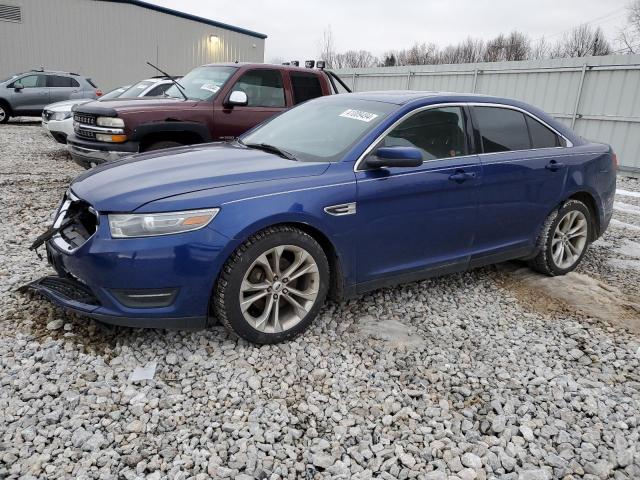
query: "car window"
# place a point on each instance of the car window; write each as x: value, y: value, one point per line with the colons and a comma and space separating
x: 135, y: 90
x: 305, y: 87
x: 502, y: 129
x: 541, y: 136
x: 32, y: 81
x: 60, y: 81
x: 264, y: 88
x: 323, y: 129
x: 158, y: 90
x: 437, y: 132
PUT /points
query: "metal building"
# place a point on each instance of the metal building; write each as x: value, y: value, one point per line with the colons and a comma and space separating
x: 598, y: 96
x: 110, y: 40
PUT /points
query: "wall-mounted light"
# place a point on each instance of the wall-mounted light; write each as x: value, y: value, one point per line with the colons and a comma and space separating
x: 214, y: 38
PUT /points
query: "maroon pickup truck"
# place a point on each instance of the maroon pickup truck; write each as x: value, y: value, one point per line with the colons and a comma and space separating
x: 212, y: 102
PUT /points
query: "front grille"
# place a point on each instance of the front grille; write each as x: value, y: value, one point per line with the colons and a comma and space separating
x: 85, y: 118
x: 83, y: 226
x: 69, y: 289
x: 85, y: 133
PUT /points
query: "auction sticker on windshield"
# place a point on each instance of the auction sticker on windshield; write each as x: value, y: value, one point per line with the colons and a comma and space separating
x: 359, y: 115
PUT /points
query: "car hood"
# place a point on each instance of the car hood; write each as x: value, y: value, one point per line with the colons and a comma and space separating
x: 127, y: 184
x: 66, y: 104
x: 118, y: 106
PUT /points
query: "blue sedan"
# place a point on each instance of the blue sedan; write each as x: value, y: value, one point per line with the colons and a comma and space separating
x: 336, y: 197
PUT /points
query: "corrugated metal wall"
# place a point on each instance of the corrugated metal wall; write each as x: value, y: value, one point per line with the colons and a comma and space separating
x: 110, y: 42
x: 599, y: 96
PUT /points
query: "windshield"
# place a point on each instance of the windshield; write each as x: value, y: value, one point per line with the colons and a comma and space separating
x: 113, y: 93
x: 321, y: 130
x: 10, y: 77
x: 202, y: 83
x: 137, y: 89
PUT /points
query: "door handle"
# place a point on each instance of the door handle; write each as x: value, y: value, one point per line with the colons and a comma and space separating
x: 554, y: 166
x: 461, y: 176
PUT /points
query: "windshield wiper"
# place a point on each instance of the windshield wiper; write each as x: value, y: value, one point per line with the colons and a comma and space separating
x: 179, y: 87
x: 272, y: 149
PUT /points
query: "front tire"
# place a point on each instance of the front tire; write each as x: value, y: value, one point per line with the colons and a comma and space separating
x: 162, y: 145
x: 272, y: 286
x: 4, y: 113
x: 564, y: 239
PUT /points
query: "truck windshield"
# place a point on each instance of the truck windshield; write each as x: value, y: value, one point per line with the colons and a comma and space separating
x: 202, y: 83
x: 320, y: 130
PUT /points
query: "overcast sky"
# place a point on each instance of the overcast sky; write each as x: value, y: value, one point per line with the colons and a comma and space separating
x: 294, y: 27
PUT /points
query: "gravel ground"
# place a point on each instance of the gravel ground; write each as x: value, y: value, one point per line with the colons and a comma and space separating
x: 494, y: 373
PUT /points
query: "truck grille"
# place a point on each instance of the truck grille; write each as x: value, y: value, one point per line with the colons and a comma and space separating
x: 83, y: 226
x: 85, y: 118
x: 85, y: 133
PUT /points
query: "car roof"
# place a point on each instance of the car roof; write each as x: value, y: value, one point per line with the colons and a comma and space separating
x: 402, y: 97
x: 264, y: 65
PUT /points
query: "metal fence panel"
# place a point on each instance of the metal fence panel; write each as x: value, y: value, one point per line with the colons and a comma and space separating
x: 598, y: 96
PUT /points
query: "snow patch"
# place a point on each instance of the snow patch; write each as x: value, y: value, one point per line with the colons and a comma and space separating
x: 626, y: 208
x: 624, y: 225
x: 627, y: 193
x: 620, y: 263
x: 629, y: 249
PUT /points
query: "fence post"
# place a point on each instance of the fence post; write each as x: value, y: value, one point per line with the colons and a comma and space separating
x: 353, y: 82
x: 409, y: 80
x: 475, y: 80
x: 578, y: 95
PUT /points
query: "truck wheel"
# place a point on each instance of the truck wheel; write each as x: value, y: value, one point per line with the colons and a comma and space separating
x: 162, y: 145
x: 4, y: 113
x: 564, y: 239
x: 272, y: 286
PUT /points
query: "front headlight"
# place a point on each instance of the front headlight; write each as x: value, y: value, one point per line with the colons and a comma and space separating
x: 110, y: 122
x: 59, y: 116
x: 152, y: 224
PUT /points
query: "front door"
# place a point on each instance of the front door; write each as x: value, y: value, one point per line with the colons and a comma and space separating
x: 33, y: 95
x: 417, y: 219
x: 266, y: 97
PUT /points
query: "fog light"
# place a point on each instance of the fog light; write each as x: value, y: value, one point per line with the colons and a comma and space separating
x: 146, y: 297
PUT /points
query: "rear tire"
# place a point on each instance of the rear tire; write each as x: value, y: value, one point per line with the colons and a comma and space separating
x: 564, y: 239
x: 272, y: 286
x: 4, y: 113
x: 162, y: 145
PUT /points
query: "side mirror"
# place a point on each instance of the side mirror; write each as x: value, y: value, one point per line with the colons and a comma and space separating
x: 237, y: 98
x: 395, y: 157
x: 17, y: 86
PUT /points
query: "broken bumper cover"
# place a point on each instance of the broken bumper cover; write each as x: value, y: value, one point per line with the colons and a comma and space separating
x: 73, y: 295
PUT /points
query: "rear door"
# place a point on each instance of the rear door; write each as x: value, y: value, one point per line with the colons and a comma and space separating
x: 420, y: 218
x: 62, y: 88
x: 266, y: 97
x: 305, y: 86
x: 34, y: 95
x: 523, y: 179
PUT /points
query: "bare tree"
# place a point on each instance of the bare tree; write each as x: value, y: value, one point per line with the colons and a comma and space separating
x: 517, y: 47
x: 540, y: 49
x: 583, y: 41
x: 355, y: 59
x: 327, y: 48
x: 629, y: 37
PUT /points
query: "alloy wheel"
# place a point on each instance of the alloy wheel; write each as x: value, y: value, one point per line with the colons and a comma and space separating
x: 569, y: 239
x: 3, y: 113
x: 279, y: 289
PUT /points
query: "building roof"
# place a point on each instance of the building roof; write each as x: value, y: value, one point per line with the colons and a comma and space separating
x: 188, y: 16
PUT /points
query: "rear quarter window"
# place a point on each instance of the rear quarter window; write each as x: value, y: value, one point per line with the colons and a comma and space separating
x: 305, y: 87
x: 541, y: 136
x: 502, y: 129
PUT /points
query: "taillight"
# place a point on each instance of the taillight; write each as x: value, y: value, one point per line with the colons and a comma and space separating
x: 614, y: 160
x: 99, y: 93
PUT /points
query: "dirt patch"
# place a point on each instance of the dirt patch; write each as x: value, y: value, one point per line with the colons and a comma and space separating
x: 570, y: 294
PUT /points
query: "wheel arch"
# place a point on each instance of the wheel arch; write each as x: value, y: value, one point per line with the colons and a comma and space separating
x: 186, y: 133
x: 589, y: 200
x: 5, y: 103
